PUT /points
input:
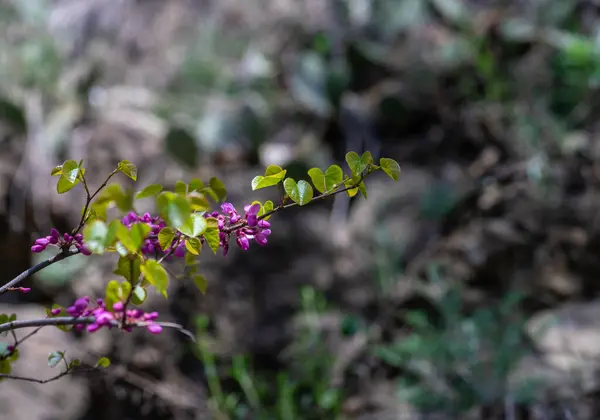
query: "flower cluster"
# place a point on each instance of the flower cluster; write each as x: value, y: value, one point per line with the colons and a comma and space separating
x: 62, y: 241
x: 83, y: 307
x: 151, y: 245
x: 250, y: 228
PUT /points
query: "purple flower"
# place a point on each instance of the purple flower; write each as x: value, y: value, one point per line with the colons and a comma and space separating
x: 252, y: 214
x: 55, y: 311
x: 37, y: 248
x: 242, y: 241
x: 118, y: 306
x: 155, y: 328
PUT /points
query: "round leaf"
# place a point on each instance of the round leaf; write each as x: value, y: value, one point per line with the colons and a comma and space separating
x: 301, y: 193
x: 200, y: 283
x: 390, y: 167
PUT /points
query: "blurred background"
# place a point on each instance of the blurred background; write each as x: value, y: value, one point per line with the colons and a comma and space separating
x: 467, y: 290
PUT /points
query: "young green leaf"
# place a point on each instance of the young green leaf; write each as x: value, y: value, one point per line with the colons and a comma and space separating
x: 139, y: 295
x: 156, y: 275
x: 358, y: 164
x: 266, y: 208
x: 95, y: 234
x: 128, y: 169
x: 390, y: 167
x: 111, y: 294
x: 194, y: 226
x: 180, y: 188
x: 133, y: 238
x: 57, y: 171
x: 70, y: 171
x: 165, y: 237
x: 193, y: 245
x: 174, y: 208
x: 151, y: 190
x: 54, y: 358
x: 301, y: 192
x: 212, y: 234
x: 196, y: 184
x: 200, y: 283
x: 352, y: 191
x: 318, y: 179
x: 129, y: 268
x: 333, y: 177
x: 103, y: 362
x: 218, y: 187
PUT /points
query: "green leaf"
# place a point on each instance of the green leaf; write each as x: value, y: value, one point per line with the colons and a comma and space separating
x: 74, y: 363
x: 70, y: 171
x: 174, y: 208
x: 139, y: 295
x: 200, y: 283
x: 218, y: 187
x: 95, y: 234
x: 266, y: 208
x: 301, y: 193
x: 151, y: 190
x: 182, y: 146
x: 212, y: 234
x: 124, y: 290
x: 194, y: 226
x: 54, y: 358
x: 128, y: 169
x: 156, y: 275
x: 111, y: 294
x: 352, y: 191
x: 180, y: 188
x: 318, y: 179
x: 193, y: 245
x: 358, y: 164
x: 390, y: 167
x: 196, y: 184
x: 129, y: 268
x: 166, y: 237
x: 57, y: 171
x: 103, y: 362
x: 5, y: 367
x: 198, y: 201
x: 333, y: 177
x: 133, y: 238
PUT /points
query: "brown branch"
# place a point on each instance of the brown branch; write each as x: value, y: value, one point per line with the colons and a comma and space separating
x: 31, y: 271
x: 44, y: 381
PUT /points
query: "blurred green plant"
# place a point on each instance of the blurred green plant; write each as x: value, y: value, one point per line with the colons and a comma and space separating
x: 302, y: 391
x: 461, y: 361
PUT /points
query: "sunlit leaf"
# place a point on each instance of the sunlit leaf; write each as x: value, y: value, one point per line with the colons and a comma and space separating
x: 151, y: 190
x: 103, y: 362
x: 166, y: 237
x: 193, y: 245
x: 54, y: 358
x: 390, y: 167
x: 194, y: 226
x: 128, y: 169
x: 301, y: 192
x: 156, y: 275
x: 95, y: 234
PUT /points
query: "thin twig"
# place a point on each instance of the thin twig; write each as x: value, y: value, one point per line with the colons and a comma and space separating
x: 44, y: 381
x: 89, y: 200
x: 31, y: 271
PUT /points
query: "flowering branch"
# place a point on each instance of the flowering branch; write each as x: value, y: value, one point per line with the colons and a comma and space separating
x: 88, y: 320
x: 143, y: 242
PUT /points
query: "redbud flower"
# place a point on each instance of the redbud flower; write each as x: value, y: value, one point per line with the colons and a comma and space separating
x: 155, y: 328
x: 55, y: 311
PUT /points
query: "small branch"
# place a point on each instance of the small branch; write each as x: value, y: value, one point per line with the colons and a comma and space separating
x: 44, y: 381
x: 44, y: 322
x: 243, y: 223
x: 89, y: 200
x: 31, y: 271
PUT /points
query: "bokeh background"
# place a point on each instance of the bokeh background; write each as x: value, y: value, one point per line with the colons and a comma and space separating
x: 467, y: 290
